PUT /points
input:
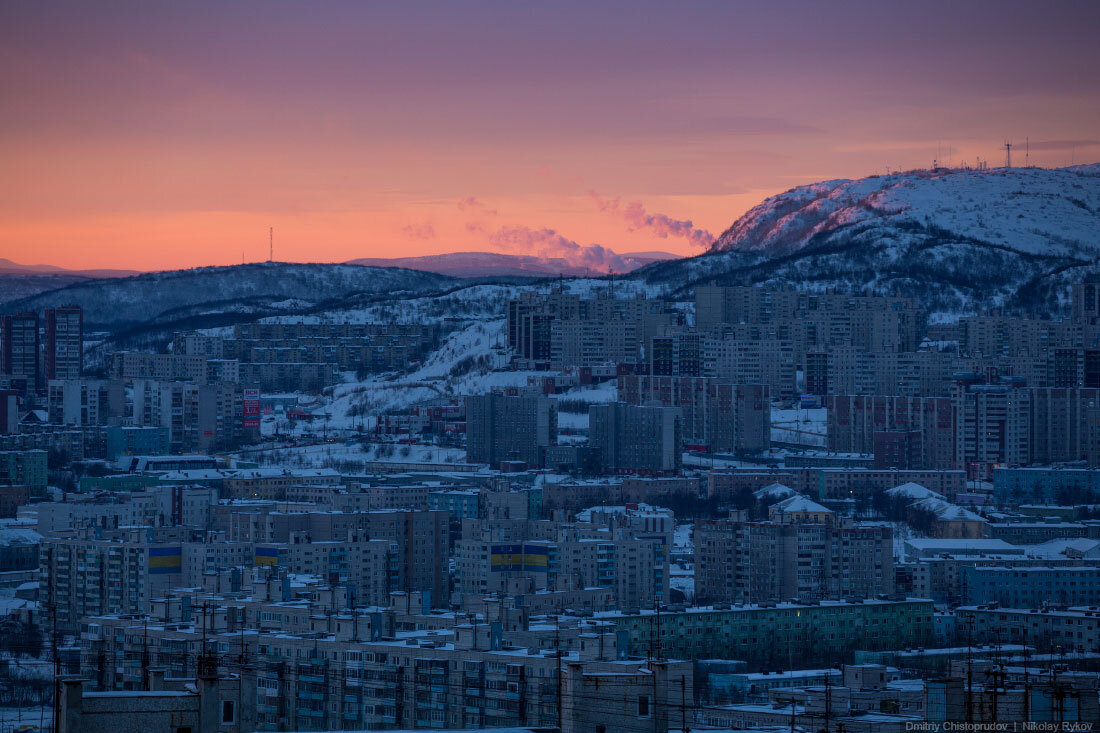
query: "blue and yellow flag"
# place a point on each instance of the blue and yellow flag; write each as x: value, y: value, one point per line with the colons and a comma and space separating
x: 267, y: 556
x: 165, y: 560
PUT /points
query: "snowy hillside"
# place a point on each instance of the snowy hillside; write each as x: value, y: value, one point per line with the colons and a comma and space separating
x: 472, y: 360
x: 464, y: 364
x: 1031, y: 210
x: 964, y: 240
x: 14, y: 286
x: 257, y: 288
x: 498, y: 264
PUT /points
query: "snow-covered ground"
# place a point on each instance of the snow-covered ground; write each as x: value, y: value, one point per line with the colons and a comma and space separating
x: 464, y: 303
x: 683, y: 537
x: 682, y: 578
x: 602, y: 392
x: 467, y: 363
x: 572, y: 420
x: 804, y: 427
x: 341, y: 455
x: 1033, y: 210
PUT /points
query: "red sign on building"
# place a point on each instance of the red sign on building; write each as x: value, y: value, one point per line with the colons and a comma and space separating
x: 251, y: 404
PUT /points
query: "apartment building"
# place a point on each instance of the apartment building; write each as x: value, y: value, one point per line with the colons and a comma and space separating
x: 1053, y: 630
x: 64, y: 352
x: 774, y: 635
x: 85, y: 401
x: 715, y: 412
x: 198, y: 417
x: 992, y: 426
x: 1031, y: 586
x: 1065, y: 425
x: 24, y: 468
x: 767, y: 361
x: 368, y: 568
x: 20, y: 345
x: 804, y: 552
x: 510, y: 427
x: 115, y: 572
x: 624, y: 556
x: 853, y: 421
x: 636, y: 438
x: 816, y: 320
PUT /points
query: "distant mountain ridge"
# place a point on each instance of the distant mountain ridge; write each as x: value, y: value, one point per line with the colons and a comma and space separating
x: 7, y: 267
x: 497, y: 264
x: 961, y: 239
x: 262, y: 288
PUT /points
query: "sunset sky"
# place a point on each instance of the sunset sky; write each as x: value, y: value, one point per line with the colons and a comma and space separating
x: 161, y: 135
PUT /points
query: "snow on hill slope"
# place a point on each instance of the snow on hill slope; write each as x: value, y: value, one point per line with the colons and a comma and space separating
x: 471, y: 360
x: 962, y: 240
x: 462, y: 303
x: 464, y: 364
x: 497, y: 264
x: 256, y: 288
x: 23, y: 285
x: 1032, y: 210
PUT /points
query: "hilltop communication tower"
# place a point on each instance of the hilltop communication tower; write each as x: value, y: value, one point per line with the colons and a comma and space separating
x: 1008, y: 154
x: 271, y: 244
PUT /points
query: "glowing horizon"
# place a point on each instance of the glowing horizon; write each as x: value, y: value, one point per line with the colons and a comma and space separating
x: 155, y: 137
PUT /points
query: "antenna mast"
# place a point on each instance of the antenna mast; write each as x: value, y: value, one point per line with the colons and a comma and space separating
x: 1008, y: 154
x: 271, y: 244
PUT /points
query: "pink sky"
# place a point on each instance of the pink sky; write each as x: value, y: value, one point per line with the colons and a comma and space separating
x: 151, y: 136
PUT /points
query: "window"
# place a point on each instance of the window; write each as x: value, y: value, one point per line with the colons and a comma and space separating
x: 229, y: 711
x: 643, y: 706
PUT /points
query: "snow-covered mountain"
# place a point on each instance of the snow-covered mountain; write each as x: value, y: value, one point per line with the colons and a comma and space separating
x: 964, y: 239
x: 254, y: 290
x: 497, y: 264
x: 7, y: 267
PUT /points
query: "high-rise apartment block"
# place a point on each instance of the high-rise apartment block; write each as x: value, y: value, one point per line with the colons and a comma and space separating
x: 802, y: 551
x: 510, y: 427
x: 715, y: 412
x: 64, y: 353
x: 636, y: 438
x: 20, y: 347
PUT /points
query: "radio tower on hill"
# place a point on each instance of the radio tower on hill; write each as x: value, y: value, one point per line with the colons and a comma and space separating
x: 1008, y: 154
x: 271, y: 244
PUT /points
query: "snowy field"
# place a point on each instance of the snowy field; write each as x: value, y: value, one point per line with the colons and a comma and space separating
x: 804, y: 427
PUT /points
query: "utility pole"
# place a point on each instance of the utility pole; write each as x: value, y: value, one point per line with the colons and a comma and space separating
x: 243, y: 661
x: 557, y: 655
x: 653, y: 668
x: 683, y: 706
x: 56, y: 667
x: 969, y: 669
x: 145, y: 655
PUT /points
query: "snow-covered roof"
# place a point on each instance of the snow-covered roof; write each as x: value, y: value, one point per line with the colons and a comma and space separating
x: 799, y: 503
x: 1068, y: 545
x: 772, y: 490
x: 19, y: 536
x: 945, y: 511
x: 635, y: 510
x: 912, y: 490
x: 925, y: 547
